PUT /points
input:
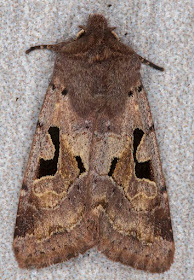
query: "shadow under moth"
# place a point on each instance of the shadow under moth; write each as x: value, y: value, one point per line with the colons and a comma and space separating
x: 94, y: 175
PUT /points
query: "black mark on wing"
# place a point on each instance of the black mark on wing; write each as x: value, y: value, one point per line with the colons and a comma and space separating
x: 49, y: 167
x: 113, y: 166
x: 130, y: 93
x: 64, y: 92
x: 142, y: 169
x: 80, y: 164
x: 139, y: 89
x: 24, y: 187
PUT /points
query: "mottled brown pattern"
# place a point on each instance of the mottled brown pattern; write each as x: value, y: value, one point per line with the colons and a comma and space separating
x: 104, y: 185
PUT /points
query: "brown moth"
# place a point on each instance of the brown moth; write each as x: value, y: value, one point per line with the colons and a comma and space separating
x: 94, y: 175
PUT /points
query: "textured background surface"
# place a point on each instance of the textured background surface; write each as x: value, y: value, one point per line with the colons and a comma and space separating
x: 158, y: 30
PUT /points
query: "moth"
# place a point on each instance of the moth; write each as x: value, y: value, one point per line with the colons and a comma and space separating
x: 94, y: 176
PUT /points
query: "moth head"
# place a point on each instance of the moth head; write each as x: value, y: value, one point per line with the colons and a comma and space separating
x: 97, y: 23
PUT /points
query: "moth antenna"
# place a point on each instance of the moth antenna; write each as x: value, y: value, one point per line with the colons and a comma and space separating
x: 48, y: 47
x: 115, y: 35
x: 79, y: 34
x: 82, y: 27
x: 149, y: 63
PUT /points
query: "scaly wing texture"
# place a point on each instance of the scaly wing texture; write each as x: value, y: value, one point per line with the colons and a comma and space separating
x: 52, y: 224
x: 94, y: 175
x: 135, y: 224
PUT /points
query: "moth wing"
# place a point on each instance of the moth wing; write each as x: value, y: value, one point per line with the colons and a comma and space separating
x: 51, y: 224
x: 135, y: 225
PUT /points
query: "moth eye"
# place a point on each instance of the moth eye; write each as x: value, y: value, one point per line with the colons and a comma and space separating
x: 113, y: 166
x: 80, y: 34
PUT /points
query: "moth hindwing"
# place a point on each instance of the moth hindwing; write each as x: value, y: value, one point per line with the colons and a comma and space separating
x: 94, y: 175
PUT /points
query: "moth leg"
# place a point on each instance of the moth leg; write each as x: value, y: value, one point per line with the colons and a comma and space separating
x: 48, y: 47
x: 147, y: 62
